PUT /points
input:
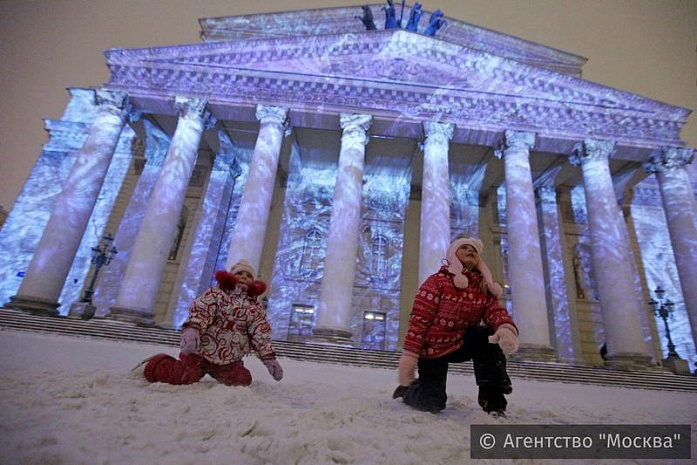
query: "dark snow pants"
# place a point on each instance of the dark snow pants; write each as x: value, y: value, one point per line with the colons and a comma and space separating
x: 428, y: 392
x: 189, y: 369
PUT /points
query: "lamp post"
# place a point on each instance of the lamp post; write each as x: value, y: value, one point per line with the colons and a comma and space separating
x: 663, y: 308
x: 101, y: 256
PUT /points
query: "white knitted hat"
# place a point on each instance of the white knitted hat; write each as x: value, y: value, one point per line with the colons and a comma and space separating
x: 243, y: 265
x: 456, y: 267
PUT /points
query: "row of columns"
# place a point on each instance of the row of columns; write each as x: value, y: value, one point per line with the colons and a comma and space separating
x: 138, y: 290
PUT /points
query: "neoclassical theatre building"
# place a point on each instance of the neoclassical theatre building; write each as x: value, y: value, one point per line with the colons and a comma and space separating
x: 341, y: 160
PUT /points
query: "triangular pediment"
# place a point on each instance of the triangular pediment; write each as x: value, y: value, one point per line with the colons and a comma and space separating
x: 392, y: 71
x: 346, y: 20
x: 392, y: 57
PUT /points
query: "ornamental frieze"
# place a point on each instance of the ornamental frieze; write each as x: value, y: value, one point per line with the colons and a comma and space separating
x: 461, y: 106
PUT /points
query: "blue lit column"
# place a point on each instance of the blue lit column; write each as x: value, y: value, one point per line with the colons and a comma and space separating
x: 54, y: 255
x: 435, y: 199
x: 156, y: 146
x: 141, y: 282
x: 551, y: 239
x: 524, y: 254
x: 199, y: 257
x: 679, y: 205
x: 333, y: 319
x: 624, y: 336
x: 250, y: 228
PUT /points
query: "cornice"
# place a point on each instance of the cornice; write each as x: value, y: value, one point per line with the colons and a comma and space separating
x: 400, y: 74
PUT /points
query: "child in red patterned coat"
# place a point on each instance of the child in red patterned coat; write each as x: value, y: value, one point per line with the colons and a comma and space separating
x: 457, y: 317
x: 223, y: 324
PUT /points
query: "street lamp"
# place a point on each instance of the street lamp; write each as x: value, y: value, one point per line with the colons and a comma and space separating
x: 664, y: 309
x: 101, y: 256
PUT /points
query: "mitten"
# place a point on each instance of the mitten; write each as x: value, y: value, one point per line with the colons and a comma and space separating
x: 506, y: 336
x: 407, y: 367
x: 274, y: 368
x: 191, y: 340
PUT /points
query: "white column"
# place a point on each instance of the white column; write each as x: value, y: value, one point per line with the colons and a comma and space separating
x: 333, y: 319
x: 679, y: 205
x: 250, y: 228
x: 435, y: 199
x: 141, y: 282
x: 156, y: 146
x: 624, y: 336
x: 54, y: 255
x: 524, y: 255
x: 565, y: 323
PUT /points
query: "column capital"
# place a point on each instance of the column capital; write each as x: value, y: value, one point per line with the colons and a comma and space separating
x: 441, y: 132
x: 355, y: 124
x: 111, y: 101
x: 191, y: 107
x: 270, y: 114
x: 591, y: 149
x: 520, y: 140
x: 669, y: 158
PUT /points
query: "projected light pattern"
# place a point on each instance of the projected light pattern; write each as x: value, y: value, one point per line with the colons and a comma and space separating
x: 307, y: 207
x: 141, y: 281
x: 82, y: 263
x: 556, y: 290
x: 435, y: 199
x: 342, y: 240
x: 156, y: 146
x: 253, y: 215
x: 54, y: 255
x: 195, y: 274
x: 611, y: 256
x: 527, y: 278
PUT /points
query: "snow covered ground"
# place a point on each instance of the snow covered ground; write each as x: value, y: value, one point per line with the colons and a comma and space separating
x: 72, y: 401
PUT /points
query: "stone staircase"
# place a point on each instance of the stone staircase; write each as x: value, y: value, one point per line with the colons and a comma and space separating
x: 655, y: 379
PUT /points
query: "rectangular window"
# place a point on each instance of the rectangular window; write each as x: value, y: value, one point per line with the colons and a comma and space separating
x: 374, y: 327
x: 302, y: 321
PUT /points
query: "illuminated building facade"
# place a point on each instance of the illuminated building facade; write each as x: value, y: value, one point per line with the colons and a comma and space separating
x: 341, y: 162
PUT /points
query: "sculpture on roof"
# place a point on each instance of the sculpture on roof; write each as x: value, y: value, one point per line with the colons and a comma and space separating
x: 434, y: 23
x: 367, y: 18
x: 390, y: 15
x: 414, y: 17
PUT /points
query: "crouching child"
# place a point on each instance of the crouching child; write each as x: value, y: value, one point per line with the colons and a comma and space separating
x: 457, y: 317
x: 225, y: 323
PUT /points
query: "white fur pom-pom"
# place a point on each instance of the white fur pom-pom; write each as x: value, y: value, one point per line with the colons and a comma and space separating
x: 461, y: 281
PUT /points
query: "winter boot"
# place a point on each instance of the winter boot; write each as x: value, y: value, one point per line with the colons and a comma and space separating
x: 426, y: 398
x: 492, y: 400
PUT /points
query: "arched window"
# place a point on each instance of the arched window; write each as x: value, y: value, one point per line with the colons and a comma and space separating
x: 378, y: 264
x: 312, y: 250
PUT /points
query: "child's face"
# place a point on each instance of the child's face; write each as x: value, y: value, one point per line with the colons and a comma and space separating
x: 468, y: 256
x: 244, y: 279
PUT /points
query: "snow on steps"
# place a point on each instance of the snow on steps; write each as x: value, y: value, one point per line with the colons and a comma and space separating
x: 655, y: 379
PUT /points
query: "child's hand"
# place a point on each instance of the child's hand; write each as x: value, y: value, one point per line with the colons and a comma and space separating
x: 506, y: 337
x: 191, y: 340
x: 274, y: 368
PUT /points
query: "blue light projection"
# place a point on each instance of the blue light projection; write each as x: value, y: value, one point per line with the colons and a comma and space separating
x: 659, y: 265
x: 210, y: 219
x: 147, y: 172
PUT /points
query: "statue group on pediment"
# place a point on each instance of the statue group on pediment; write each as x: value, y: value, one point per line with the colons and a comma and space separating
x: 391, y: 22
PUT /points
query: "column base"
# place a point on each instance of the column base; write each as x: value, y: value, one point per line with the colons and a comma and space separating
x: 535, y: 353
x: 330, y: 336
x: 138, y: 316
x: 677, y: 365
x: 84, y: 310
x: 35, y: 305
x: 629, y: 362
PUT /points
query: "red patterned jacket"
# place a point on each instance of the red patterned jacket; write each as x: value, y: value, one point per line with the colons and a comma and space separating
x: 230, y: 323
x: 442, y: 313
